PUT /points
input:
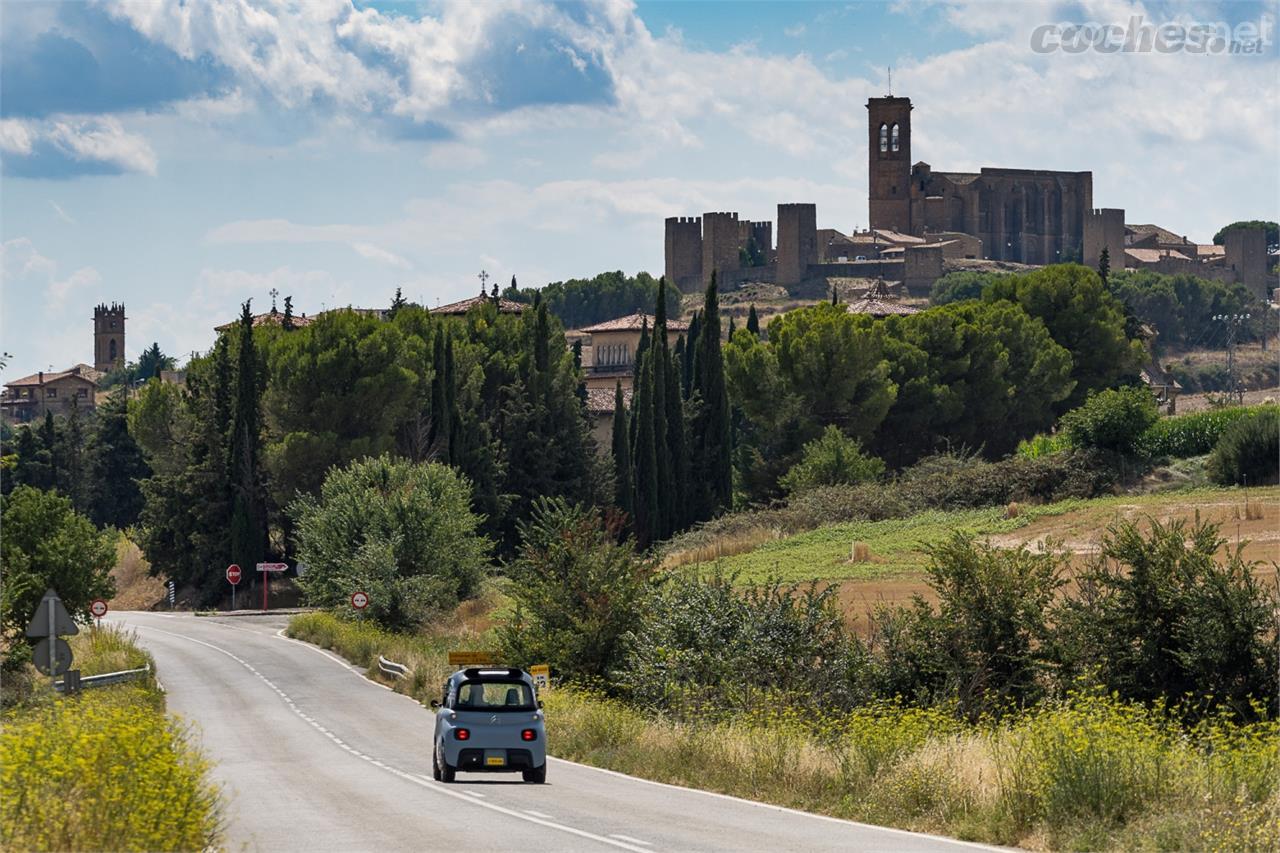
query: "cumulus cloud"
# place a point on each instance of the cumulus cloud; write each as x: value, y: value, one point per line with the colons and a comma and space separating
x: 66, y: 146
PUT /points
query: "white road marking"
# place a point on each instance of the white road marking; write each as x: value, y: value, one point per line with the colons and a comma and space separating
x: 473, y: 793
x: 628, y: 838
x: 432, y: 785
x: 538, y: 814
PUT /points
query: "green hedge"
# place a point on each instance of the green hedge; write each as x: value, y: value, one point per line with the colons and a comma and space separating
x: 1193, y: 434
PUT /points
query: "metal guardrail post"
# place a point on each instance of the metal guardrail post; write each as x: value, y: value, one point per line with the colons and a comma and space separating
x: 391, y: 668
x: 105, y: 679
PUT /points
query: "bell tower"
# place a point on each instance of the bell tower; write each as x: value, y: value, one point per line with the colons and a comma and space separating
x: 108, y: 337
x: 889, y: 162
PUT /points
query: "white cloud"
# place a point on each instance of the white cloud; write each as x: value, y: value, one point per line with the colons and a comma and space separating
x: 379, y: 254
x: 15, y: 137
x: 31, y: 282
x: 102, y: 140
x: 456, y: 156
x: 62, y: 214
x: 22, y: 266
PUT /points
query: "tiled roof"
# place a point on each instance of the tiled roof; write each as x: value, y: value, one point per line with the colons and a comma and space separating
x: 269, y: 318
x: 505, y: 306
x: 879, y: 302
x: 895, y: 236
x: 1163, y: 235
x: 80, y: 371
x: 1151, y: 256
x: 1210, y: 250
x: 633, y: 323
x: 600, y: 400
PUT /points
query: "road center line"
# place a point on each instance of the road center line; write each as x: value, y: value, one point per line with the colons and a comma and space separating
x: 432, y: 785
x: 628, y: 838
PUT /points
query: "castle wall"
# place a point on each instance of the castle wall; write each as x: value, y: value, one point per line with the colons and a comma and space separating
x: 1104, y: 229
x: 922, y: 266
x: 683, y: 246
x: 1247, y: 256
x: 797, y: 241
x: 721, y: 237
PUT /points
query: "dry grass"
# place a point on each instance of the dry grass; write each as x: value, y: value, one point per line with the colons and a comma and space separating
x: 719, y: 547
x: 859, y: 552
x: 136, y: 589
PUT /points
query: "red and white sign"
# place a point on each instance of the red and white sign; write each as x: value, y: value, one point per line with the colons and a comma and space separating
x: 273, y: 567
x: 98, y: 608
x: 359, y: 600
x: 233, y: 574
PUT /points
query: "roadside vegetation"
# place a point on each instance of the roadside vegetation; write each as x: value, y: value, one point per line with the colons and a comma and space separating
x: 104, y: 770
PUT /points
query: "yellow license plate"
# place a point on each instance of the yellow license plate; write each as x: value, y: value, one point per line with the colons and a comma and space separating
x: 495, y: 761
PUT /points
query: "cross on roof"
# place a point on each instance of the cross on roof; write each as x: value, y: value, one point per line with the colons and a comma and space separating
x: 484, y: 279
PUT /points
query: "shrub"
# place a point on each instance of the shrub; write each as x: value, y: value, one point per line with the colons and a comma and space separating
x: 832, y: 459
x: 1249, y: 450
x: 1042, y: 445
x: 1113, y: 419
x: 401, y: 531
x: 577, y: 593
x: 1193, y: 434
x: 960, y: 285
x: 48, y: 545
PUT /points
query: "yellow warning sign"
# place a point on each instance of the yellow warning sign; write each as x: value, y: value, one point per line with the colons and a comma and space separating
x: 480, y: 658
x: 541, y: 676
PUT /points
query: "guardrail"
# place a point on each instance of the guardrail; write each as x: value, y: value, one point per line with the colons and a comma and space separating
x: 391, y: 668
x: 104, y: 679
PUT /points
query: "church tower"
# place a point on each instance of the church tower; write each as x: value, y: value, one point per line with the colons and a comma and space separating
x: 108, y: 337
x: 889, y: 162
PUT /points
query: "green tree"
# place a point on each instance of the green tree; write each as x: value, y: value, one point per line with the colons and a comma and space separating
x: 623, y: 490
x: 711, y: 483
x: 115, y: 466
x: 1104, y: 265
x: 34, y: 463
x: 1112, y: 420
x: 404, y: 532
x: 582, y: 302
x: 1272, y: 229
x: 1082, y: 317
x: 647, y: 523
x: 249, y: 514
x: 578, y: 594
x: 753, y: 321
x: 47, y: 545
x: 151, y: 362
x: 831, y: 459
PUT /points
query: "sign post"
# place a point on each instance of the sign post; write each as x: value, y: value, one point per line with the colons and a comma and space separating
x: 233, y: 578
x: 98, y: 608
x: 267, y: 569
x: 173, y: 594
x: 51, y: 621
x: 360, y: 600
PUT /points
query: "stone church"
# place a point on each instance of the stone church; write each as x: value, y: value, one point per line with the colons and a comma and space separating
x: 1031, y: 216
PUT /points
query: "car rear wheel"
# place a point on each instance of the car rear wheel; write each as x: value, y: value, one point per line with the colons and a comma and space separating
x: 537, y: 775
x: 435, y: 766
x: 442, y: 771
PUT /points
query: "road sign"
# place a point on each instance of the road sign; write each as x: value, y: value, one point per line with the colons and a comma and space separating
x: 52, y: 656
x: 173, y: 594
x: 98, y: 608
x: 273, y: 567
x: 233, y: 574
x: 359, y: 600
x: 51, y: 619
x: 541, y: 676
x: 480, y: 658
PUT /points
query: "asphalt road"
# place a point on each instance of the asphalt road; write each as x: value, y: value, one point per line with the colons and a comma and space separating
x: 316, y: 757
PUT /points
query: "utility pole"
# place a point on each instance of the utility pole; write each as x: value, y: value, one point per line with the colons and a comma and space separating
x: 1233, y: 323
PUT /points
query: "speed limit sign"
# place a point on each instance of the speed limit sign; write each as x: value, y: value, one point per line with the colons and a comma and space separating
x: 359, y: 600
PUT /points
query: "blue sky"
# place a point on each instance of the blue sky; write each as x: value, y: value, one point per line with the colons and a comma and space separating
x: 183, y: 158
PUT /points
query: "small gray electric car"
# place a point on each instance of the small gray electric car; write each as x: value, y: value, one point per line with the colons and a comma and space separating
x: 490, y: 721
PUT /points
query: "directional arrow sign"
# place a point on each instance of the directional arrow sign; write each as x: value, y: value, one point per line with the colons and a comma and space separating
x: 45, y: 624
x: 273, y: 567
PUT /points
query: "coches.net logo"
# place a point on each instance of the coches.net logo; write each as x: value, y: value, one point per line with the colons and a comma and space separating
x: 1138, y: 35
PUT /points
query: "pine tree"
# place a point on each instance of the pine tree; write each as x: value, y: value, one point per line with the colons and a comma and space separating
x: 286, y: 322
x: 1104, y: 264
x: 73, y: 480
x: 710, y: 441
x: 115, y: 465
x: 623, y: 497
x: 249, y: 527
x: 753, y: 321
x: 397, y: 302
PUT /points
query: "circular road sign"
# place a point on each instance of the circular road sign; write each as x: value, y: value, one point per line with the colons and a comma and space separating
x: 233, y: 574
x: 61, y: 656
x: 359, y: 600
x: 98, y: 608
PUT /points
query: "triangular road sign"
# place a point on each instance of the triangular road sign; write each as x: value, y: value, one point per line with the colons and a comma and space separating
x: 62, y: 622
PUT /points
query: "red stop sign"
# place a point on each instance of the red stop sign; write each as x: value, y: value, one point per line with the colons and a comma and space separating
x: 233, y: 574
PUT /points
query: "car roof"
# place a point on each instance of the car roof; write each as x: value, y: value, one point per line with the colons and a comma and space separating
x: 482, y: 673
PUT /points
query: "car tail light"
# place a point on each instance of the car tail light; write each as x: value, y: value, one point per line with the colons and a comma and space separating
x: 529, y: 734
x: 462, y: 734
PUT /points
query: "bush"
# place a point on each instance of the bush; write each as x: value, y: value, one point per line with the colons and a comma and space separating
x: 832, y: 459
x: 577, y: 594
x: 1249, y: 450
x: 401, y: 531
x: 1042, y: 445
x: 48, y: 545
x: 960, y: 285
x: 1194, y: 434
x: 1113, y: 420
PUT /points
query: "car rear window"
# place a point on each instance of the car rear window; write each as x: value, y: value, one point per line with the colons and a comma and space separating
x: 495, y: 696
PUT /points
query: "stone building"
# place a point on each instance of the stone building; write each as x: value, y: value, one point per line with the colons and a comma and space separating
x: 28, y: 398
x: 1031, y: 216
x: 108, y: 337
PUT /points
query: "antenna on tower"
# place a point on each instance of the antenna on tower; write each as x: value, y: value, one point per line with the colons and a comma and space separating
x: 889, y: 68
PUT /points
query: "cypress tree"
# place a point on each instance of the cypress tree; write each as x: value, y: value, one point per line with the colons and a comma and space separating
x: 115, y: 465
x: 647, y: 511
x: 641, y: 349
x: 451, y: 404
x: 623, y: 496
x: 690, y: 354
x: 1104, y: 264
x: 676, y: 445
x: 711, y: 443
x: 438, y: 437
x: 249, y: 518
x: 732, y: 328
x: 666, y: 478
x: 397, y: 302
x: 287, y: 322
x: 753, y: 321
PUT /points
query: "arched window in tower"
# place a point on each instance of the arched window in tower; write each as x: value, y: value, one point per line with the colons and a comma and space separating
x: 112, y: 348
x: 894, y: 136
x: 884, y: 138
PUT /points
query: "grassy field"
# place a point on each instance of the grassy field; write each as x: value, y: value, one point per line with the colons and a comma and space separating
x: 899, y: 547
x: 105, y: 770
x: 1089, y: 773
